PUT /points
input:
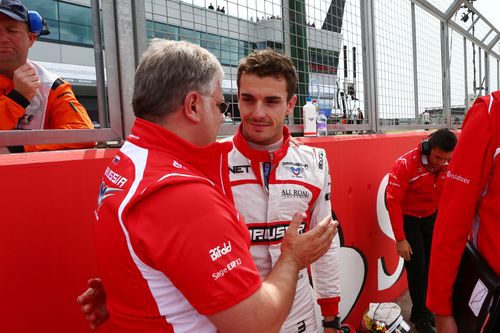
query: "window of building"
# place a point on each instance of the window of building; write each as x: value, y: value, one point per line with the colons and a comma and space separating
x: 323, y: 61
x: 75, y: 23
x: 161, y: 30
x: 228, y: 51
x: 211, y: 43
x: 68, y: 22
x: 229, y: 54
x: 190, y: 35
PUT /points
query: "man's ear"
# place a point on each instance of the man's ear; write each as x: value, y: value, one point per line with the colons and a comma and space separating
x: 32, y: 38
x: 193, y: 106
x: 291, y: 104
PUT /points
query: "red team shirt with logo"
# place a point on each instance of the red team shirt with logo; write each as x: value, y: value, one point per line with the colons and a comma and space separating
x: 413, y: 189
x: 470, y: 206
x: 171, y: 247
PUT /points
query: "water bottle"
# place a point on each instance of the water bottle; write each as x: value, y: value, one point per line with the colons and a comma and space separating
x: 309, y: 117
x: 321, y: 124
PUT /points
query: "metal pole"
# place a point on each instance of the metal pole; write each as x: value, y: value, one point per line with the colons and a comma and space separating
x: 140, y: 36
x: 128, y: 52
x: 299, y: 51
x: 99, y: 64
x: 486, y: 73
x: 445, y: 64
x: 285, y: 24
x: 414, y: 52
x: 466, y: 97
x: 481, y: 88
x: 369, y: 63
x: 112, y: 66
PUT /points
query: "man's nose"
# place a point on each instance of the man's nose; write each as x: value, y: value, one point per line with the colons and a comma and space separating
x: 259, y: 111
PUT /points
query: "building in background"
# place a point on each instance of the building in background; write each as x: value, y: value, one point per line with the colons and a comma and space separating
x: 68, y: 50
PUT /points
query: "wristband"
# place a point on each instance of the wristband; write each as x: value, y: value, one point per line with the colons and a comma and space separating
x: 332, y: 323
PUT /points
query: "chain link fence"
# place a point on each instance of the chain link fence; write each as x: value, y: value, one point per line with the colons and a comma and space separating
x: 371, y: 65
x: 430, y: 59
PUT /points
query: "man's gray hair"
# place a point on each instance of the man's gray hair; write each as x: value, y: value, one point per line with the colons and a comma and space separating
x: 168, y: 71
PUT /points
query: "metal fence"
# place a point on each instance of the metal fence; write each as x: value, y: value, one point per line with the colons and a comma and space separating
x: 371, y: 65
x: 374, y: 66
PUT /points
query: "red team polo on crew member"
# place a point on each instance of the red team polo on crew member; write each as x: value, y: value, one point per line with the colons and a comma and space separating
x: 413, y: 189
x: 471, y: 202
x: 171, y: 246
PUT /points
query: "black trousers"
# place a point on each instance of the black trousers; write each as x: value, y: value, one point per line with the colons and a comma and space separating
x: 418, y: 233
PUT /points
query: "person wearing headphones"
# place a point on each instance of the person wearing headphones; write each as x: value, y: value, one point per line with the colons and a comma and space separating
x: 471, y: 210
x: 31, y: 97
x: 412, y: 197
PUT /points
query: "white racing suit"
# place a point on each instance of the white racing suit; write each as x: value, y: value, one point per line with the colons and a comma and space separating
x: 298, y: 181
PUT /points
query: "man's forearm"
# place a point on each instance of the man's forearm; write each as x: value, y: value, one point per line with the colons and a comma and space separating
x: 266, y: 310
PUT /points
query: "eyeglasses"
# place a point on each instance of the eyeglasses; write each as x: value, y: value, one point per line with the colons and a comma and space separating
x: 222, y: 106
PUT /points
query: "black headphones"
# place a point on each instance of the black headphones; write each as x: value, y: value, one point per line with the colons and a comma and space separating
x: 426, y: 147
x: 37, y: 24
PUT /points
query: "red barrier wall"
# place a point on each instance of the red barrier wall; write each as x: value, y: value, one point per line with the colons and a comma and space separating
x: 46, y: 206
x: 46, y: 211
x: 358, y: 165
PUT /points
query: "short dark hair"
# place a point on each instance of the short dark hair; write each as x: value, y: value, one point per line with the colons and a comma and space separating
x: 443, y: 139
x: 269, y: 63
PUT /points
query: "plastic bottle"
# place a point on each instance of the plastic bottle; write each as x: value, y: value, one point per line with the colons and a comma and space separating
x: 309, y: 117
x: 321, y: 124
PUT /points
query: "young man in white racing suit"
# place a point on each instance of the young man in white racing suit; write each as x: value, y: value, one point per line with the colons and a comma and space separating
x: 270, y: 177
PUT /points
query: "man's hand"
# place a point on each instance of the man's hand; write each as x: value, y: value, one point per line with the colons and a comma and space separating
x: 93, y: 303
x: 446, y: 324
x: 306, y: 248
x: 404, y: 249
x: 26, y: 82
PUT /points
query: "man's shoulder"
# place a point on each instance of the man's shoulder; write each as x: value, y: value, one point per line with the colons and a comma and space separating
x: 410, y: 156
x: 158, y: 168
x: 306, y: 151
x: 407, y: 162
x: 312, y: 156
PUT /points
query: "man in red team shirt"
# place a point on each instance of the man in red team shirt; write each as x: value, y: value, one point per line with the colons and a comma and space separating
x: 412, y: 197
x: 266, y: 84
x: 472, y: 207
x: 172, y: 250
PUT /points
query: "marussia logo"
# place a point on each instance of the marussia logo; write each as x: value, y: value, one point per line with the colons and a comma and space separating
x: 104, y: 192
x: 266, y: 234
x: 296, y: 170
x: 218, y: 251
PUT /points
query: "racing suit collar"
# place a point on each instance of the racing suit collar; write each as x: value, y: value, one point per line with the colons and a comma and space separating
x: 261, y: 155
x: 210, y: 161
